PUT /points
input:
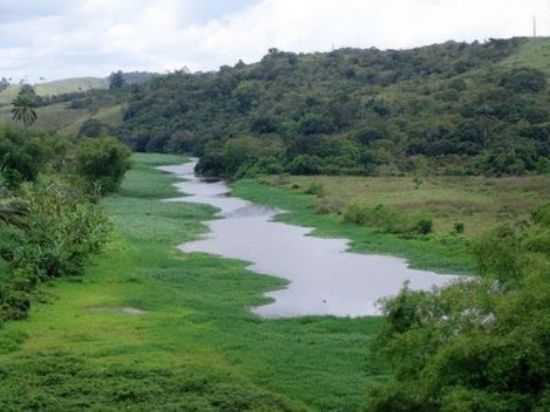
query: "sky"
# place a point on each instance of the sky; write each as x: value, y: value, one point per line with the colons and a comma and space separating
x: 55, y: 39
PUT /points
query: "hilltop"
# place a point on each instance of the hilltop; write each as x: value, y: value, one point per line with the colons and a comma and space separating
x: 452, y: 108
x: 68, y: 103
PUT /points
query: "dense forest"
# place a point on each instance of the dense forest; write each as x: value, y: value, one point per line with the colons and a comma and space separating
x: 453, y: 108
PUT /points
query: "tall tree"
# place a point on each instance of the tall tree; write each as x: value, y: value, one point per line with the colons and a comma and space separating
x: 116, y: 80
x: 23, y: 110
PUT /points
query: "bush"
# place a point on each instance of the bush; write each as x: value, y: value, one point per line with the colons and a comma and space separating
x: 22, y: 157
x: 459, y: 228
x: 325, y: 206
x: 498, y: 254
x: 387, y: 220
x: 541, y: 216
x: 92, y: 128
x: 103, y: 162
x: 60, y: 231
x: 316, y: 189
x: 524, y: 80
x: 478, y: 345
x: 424, y: 226
x: 305, y: 165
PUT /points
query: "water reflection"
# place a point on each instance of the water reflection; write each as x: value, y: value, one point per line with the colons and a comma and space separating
x: 324, y: 278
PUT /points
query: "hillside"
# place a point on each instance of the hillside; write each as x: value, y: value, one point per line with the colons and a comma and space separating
x: 453, y: 108
x: 57, y: 87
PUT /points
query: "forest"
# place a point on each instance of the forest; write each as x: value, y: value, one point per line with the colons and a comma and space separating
x: 453, y: 109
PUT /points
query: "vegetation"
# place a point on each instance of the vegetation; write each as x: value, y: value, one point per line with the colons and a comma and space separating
x: 50, y: 226
x: 454, y: 108
x: 474, y: 204
x: 445, y: 253
x: 23, y: 108
x: 103, y: 162
x: 479, y: 345
x: 148, y: 328
x: 54, y: 88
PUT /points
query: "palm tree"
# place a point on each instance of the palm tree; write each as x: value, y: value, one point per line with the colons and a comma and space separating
x: 23, y: 111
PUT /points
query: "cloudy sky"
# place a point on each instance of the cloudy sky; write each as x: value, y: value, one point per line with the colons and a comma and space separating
x: 68, y: 38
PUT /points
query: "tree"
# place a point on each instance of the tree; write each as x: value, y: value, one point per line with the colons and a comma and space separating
x: 21, y: 157
x: 92, y: 128
x: 103, y: 162
x: 116, y: 80
x: 479, y: 345
x: 23, y: 110
x: 524, y: 80
x: 4, y: 84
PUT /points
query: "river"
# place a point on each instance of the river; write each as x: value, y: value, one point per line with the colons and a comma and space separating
x: 324, y: 277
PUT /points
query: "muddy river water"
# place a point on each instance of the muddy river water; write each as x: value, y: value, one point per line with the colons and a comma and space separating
x: 324, y: 278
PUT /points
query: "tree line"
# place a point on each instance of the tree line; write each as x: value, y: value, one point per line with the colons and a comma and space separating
x: 455, y: 107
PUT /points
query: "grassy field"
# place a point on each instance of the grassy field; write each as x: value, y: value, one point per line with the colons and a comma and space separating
x: 57, y: 117
x: 478, y: 202
x: 150, y: 328
x: 56, y: 87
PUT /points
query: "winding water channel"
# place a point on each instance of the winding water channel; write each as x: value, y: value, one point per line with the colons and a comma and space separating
x: 324, y: 278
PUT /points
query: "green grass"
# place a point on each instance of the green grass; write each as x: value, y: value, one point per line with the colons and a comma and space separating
x: 534, y: 54
x: 195, y: 346
x: 56, y: 87
x: 57, y: 117
x: 480, y: 203
x: 111, y: 116
x: 439, y: 253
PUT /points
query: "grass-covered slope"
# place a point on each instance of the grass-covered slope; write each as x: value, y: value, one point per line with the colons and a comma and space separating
x: 149, y: 328
x: 56, y: 87
x: 60, y: 118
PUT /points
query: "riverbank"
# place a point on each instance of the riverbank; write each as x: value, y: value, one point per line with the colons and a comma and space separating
x: 443, y: 254
x: 150, y: 328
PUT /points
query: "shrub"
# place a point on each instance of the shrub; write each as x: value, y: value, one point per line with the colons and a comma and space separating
x: 498, y: 254
x: 459, y: 228
x: 379, y: 217
x: 305, y: 165
x: 541, y: 216
x: 21, y: 157
x: 92, y: 128
x: 61, y: 230
x: 524, y: 80
x: 103, y: 162
x: 387, y: 220
x: 325, y: 206
x: 316, y: 189
x: 478, y: 345
x: 424, y: 226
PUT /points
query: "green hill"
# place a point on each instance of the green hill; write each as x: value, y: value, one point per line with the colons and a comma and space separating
x: 452, y: 108
x: 57, y: 87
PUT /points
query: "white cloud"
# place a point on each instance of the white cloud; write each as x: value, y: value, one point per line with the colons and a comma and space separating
x: 94, y: 37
